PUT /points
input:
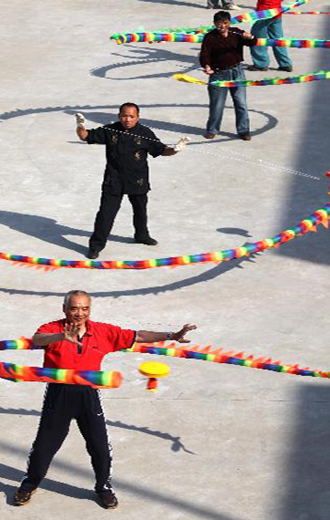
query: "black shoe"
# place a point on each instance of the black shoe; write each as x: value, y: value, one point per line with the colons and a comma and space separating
x: 286, y: 69
x: 245, y: 137
x: 22, y: 498
x: 148, y: 241
x: 108, y: 499
x: 91, y: 254
x: 253, y: 67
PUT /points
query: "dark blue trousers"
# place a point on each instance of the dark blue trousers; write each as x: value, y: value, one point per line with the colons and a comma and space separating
x: 63, y: 403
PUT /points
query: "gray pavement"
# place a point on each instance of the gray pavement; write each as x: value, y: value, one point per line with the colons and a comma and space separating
x: 217, y: 441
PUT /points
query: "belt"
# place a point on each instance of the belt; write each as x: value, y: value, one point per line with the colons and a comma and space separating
x: 216, y: 71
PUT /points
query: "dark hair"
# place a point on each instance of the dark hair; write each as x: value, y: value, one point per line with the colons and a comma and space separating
x: 127, y: 105
x: 221, y: 15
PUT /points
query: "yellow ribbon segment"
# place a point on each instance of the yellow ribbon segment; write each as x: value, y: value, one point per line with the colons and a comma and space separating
x: 188, y: 79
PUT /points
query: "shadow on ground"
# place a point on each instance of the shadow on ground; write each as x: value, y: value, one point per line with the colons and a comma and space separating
x: 178, y: 3
x: 212, y: 273
x: 176, y: 446
x: 312, y: 155
x: 188, y: 505
x: 154, y: 53
x: 305, y: 475
x: 302, y: 489
x: 102, y: 118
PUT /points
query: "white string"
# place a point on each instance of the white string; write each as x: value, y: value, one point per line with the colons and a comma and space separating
x: 232, y: 154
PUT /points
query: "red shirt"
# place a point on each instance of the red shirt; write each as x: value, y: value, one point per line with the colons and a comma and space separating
x: 262, y: 5
x: 98, y: 340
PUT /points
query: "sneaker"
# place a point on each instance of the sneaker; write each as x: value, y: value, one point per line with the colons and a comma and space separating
x: 91, y: 254
x: 233, y: 7
x: 209, y: 135
x: 245, y: 137
x: 21, y: 498
x: 148, y: 241
x: 108, y: 499
x: 286, y: 69
x: 253, y: 67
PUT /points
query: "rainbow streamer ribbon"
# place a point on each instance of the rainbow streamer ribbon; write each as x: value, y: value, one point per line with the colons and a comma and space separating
x: 265, y: 82
x: 320, y: 216
x: 230, y: 358
x: 136, y: 36
x: 17, y: 373
x: 18, y: 344
x: 308, y: 12
x: 94, y: 378
x: 176, y: 37
x: 293, y: 42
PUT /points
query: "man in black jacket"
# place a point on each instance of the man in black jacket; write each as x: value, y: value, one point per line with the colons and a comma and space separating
x: 128, y: 144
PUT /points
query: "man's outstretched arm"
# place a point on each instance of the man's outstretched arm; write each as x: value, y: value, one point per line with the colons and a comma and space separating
x: 70, y: 333
x: 148, y: 336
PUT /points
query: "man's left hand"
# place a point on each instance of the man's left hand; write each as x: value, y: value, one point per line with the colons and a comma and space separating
x: 181, y: 144
x: 180, y: 335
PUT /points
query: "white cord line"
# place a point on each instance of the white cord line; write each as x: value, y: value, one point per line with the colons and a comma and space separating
x: 246, y: 159
x: 258, y: 162
x: 231, y: 155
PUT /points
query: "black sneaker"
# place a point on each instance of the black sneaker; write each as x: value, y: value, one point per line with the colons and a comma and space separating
x: 148, y: 241
x: 108, y: 499
x: 91, y: 254
x: 286, y: 69
x: 21, y: 498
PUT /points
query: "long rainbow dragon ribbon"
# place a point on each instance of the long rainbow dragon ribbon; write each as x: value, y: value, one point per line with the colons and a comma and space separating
x: 19, y: 373
x: 320, y: 216
x: 142, y: 36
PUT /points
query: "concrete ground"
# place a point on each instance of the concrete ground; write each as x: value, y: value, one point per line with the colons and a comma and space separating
x: 217, y: 441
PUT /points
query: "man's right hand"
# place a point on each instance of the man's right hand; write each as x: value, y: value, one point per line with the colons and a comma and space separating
x: 70, y: 332
x: 208, y: 70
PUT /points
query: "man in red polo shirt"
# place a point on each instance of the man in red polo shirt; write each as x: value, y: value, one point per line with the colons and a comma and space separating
x: 78, y: 343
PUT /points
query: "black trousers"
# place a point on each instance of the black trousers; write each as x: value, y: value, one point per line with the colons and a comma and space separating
x: 63, y: 403
x: 109, y: 207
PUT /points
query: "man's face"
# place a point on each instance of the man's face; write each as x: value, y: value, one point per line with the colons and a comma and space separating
x: 77, y: 309
x: 128, y: 117
x: 222, y: 26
